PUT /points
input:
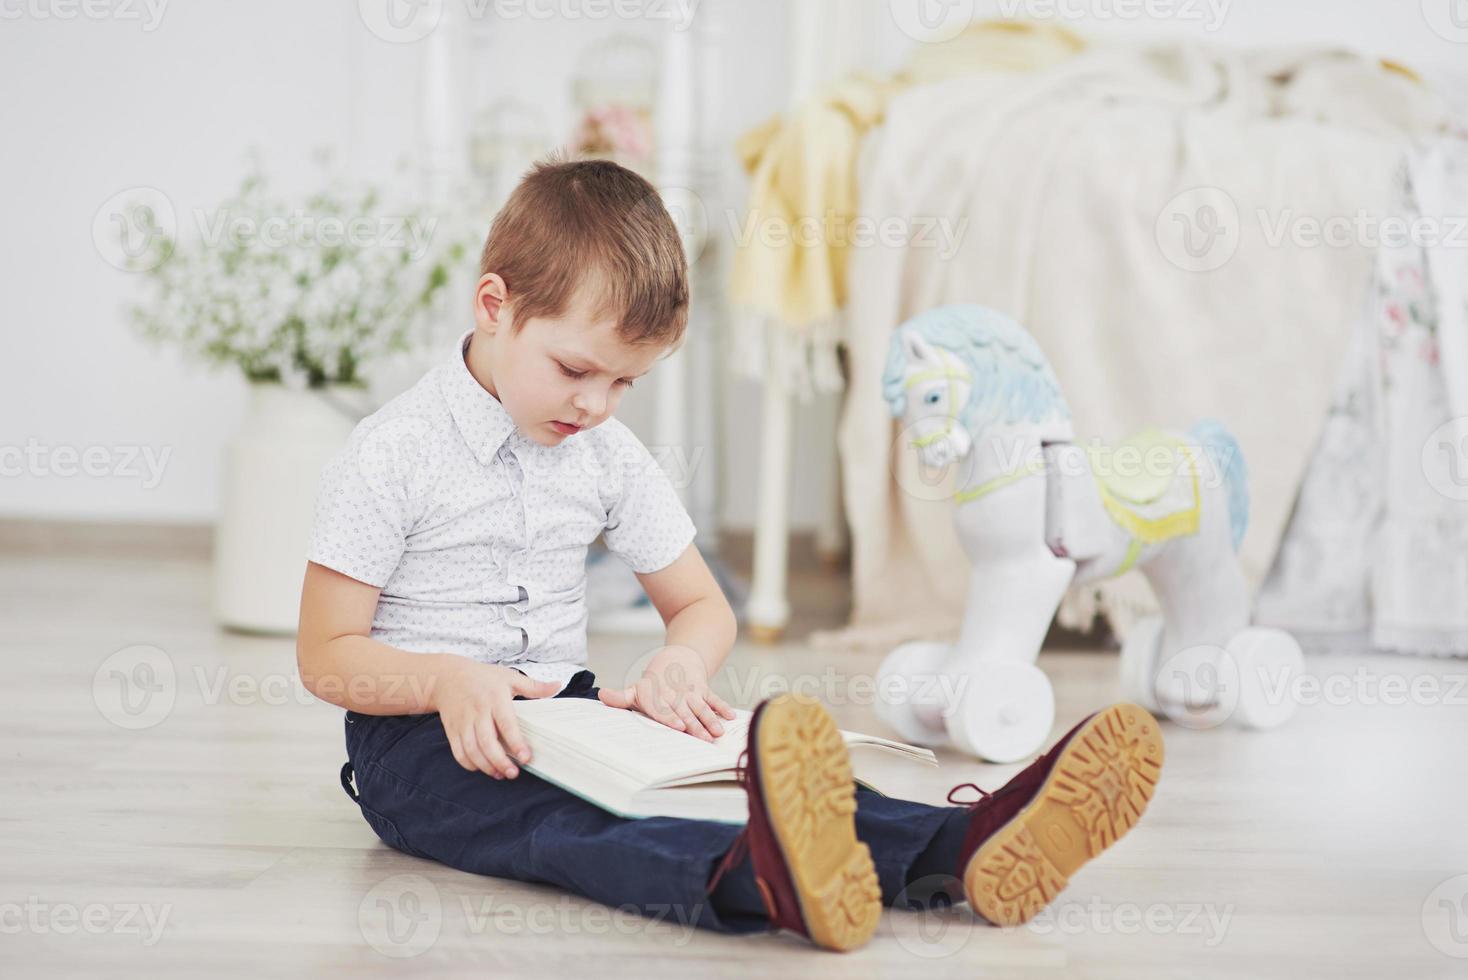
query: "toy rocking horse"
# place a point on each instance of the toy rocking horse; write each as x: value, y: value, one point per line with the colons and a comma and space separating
x: 1036, y: 513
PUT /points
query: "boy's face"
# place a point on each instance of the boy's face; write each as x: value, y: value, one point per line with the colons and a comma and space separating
x: 555, y: 373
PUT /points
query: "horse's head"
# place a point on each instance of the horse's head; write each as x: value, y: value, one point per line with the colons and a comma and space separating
x: 955, y: 372
x: 935, y: 390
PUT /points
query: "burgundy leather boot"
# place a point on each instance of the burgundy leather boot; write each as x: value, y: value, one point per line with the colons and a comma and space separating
x: 816, y: 878
x: 1027, y: 839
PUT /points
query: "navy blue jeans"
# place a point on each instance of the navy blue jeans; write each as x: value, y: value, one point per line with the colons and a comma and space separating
x: 419, y: 800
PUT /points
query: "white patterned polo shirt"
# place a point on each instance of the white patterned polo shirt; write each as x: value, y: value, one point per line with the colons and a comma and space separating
x: 476, y: 534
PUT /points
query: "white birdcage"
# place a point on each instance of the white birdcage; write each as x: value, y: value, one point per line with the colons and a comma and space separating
x: 615, y: 92
x: 507, y: 137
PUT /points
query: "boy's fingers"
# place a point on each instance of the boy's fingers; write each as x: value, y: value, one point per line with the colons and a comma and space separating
x: 509, y: 727
x: 691, y: 723
x: 719, y: 705
x: 489, y: 744
x: 650, y: 701
x: 458, y: 751
x: 471, y: 750
x: 708, y: 716
x: 530, y: 688
x: 616, y: 697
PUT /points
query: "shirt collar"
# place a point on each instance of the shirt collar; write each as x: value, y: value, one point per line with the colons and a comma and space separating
x: 481, y: 418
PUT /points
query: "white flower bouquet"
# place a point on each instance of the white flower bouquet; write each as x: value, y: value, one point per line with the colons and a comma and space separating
x: 305, y: 294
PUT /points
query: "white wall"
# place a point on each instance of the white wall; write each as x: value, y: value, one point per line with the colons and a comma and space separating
x: 95, y: 106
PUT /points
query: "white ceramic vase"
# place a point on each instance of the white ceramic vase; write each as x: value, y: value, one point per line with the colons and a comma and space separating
x: 267, y: 503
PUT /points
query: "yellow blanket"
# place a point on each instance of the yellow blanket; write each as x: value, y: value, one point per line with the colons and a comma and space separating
x: 790, y: 265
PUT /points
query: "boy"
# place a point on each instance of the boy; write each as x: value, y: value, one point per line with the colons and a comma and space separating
x: 447, y: 578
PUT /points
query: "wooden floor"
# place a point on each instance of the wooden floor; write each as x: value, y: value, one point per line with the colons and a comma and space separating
x: 213, y: 839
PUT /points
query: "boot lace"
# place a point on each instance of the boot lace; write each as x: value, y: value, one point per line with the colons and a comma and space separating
x: 983, y: 795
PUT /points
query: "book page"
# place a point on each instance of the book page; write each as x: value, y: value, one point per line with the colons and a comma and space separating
x: 629, y: 742
x: 650, y: 753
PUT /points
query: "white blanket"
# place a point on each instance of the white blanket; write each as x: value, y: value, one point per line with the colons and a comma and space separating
x: 1062, y: 189
x: 1376, y: 554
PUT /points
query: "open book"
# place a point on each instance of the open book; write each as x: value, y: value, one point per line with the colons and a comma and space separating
x: 633, y: 766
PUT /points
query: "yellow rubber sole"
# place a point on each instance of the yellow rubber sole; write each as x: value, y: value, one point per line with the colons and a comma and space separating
x: 806, y: 783
x: 1095, y: 792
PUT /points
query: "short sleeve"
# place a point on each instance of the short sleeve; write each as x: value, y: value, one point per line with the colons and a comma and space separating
x: 647, y: 525
x: 365, y: 506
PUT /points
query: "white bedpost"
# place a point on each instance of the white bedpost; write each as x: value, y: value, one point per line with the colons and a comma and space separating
x: 769, y: 606
x: 675, y: 128
x: 768, y: 609
x: 443, y: 157
x: 710, y: 163
x: 826, y: 38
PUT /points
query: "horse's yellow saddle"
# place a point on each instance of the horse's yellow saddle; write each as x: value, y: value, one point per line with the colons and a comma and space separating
x: 1150, y: 485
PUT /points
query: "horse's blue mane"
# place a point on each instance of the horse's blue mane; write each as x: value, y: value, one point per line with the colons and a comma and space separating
x: 1012, y: 380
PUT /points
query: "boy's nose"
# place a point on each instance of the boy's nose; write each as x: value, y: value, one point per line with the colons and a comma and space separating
x: 589, y: 404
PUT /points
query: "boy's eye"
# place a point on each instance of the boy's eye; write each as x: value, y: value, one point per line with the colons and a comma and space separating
x: 577, y: 375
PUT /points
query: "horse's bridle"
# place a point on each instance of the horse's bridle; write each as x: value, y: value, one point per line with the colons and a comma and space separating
x: 953, y: 374
x: 948, y: 372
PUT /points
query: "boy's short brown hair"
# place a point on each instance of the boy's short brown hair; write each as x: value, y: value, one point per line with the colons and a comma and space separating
x: 591, y: 223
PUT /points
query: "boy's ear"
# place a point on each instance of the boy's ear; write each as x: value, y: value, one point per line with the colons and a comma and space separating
x: 491, y: 303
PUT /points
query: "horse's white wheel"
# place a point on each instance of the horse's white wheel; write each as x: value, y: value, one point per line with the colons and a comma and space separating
x: 1139, y: 656
x: 1198, y: 686
x: 909, y: 689
x: 1003, y: 712
x: 1269, y: 661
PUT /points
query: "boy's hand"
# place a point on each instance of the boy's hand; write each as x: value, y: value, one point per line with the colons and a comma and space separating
x: 674, y: 690
x: 473, y: 702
